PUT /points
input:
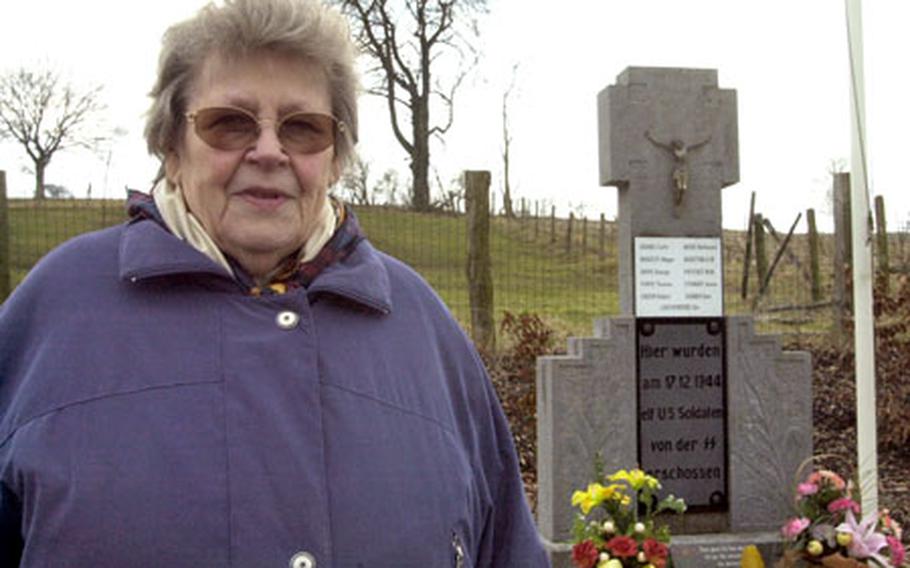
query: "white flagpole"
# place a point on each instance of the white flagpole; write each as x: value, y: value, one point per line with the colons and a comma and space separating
x: 864, y: 330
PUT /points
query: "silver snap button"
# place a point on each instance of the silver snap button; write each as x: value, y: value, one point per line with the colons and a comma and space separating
x: 287, y: 320
x: 303, y: 560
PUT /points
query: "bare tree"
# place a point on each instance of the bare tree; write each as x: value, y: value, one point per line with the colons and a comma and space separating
x: 409, y: 39
x: 45, y: 115
x: 388, y: 186
x: 356, y: 183
x: 506, y: 146
x: 451, y: 196
x: 55, y: 191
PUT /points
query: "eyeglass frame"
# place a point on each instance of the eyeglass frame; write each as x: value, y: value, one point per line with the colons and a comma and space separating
x: 339, y: 126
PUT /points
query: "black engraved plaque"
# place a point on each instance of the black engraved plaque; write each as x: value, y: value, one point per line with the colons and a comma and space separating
x: 682, y: 411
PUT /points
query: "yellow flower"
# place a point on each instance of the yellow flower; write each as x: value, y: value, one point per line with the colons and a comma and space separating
x: 636, y: 478
x: 584, y: 499
x: 814, y: 548
x: 751, y: 558
x: 595, y: 495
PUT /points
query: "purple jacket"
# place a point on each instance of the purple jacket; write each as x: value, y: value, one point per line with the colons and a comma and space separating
x: 152, y: 414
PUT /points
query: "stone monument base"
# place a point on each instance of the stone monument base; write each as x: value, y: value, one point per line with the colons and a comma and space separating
x: 560, y: 553
x: 719, y: 550
x: 723, y: 550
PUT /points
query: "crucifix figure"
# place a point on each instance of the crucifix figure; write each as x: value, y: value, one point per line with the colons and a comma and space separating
x: 680, y: 153
x: 638, y: 118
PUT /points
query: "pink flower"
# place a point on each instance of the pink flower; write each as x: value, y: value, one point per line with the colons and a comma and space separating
x: 817, y: 477
x: 843, y: 504
x: 890, y: 525
x: 804, y: 489
x: 897, y: 550
x: 794, y: 527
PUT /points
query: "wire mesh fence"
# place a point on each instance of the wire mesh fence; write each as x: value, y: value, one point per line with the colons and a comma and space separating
x: 37, y: 226
x: 562, y: 268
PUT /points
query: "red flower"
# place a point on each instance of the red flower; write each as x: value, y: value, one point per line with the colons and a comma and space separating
x: 584, y: 554
x: 623, y: 546
x: 656, y: 552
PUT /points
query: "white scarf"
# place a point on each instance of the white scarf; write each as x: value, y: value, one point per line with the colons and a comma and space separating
x: 184, y: 225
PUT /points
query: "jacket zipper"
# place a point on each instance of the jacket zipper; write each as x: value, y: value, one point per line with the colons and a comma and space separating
x: 459, y: 551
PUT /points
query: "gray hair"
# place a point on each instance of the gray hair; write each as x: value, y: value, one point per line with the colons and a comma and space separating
x: 304, y: 28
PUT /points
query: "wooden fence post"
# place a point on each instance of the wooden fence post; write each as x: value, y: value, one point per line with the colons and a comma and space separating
x: 569, y: 233
x: 777, y: 256
x: 793, y: 257
x: 602, y: 249
x: 882, y: 263
x: 744, y: 292
x: 814, y: 270
x: 761, y: 257
x: 5, y: 261
x: 842, y: 219
x: 840, y: 189
x: 552, y: 224
x: 479, y: 268
x: 584, y: 234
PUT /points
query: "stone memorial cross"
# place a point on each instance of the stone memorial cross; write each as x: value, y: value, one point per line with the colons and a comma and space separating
x: 669, y: 143
x: 674, y: 385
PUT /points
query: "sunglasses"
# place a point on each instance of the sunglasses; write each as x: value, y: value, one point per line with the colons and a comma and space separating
x: 230, y: 128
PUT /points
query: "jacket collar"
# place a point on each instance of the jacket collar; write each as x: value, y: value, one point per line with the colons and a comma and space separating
x: 361, y: 277
x: 147, y: 250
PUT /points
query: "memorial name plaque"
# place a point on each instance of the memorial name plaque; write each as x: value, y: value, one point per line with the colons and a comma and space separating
x: 722, y: 550
x: 678, y: 277
x: 708, y: 556
x: 682, y: 408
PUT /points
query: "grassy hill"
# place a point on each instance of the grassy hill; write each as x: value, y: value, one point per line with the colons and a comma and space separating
x: 535, y: 266
x: 570, y: 288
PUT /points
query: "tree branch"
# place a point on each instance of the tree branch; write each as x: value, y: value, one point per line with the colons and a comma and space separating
x: 45, y: 115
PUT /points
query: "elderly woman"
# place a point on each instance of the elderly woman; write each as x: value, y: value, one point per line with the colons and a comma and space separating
x: 236, y: 377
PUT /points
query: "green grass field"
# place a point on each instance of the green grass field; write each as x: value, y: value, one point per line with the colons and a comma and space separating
x: 37, y: 227
x: 533, y: 268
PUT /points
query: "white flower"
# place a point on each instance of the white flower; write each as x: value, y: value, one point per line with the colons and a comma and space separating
x: 865, y: 542
x: 609, y: 527
x: 639, y: 528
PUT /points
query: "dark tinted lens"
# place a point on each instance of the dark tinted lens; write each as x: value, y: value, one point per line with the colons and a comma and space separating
x: 226, y: 128
x: 307, y: 133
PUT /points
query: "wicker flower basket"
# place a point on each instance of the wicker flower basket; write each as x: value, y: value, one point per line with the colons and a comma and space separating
x: 795, y: 559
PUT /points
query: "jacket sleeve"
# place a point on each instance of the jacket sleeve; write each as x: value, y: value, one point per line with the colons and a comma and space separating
x: 510, y: 538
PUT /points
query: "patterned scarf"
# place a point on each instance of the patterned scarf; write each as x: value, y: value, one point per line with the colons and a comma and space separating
x: 291, y: 272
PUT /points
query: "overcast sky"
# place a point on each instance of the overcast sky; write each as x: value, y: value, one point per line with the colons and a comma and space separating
x: 786, y: 59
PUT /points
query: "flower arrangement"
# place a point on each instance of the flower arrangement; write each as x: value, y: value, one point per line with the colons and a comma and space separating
x: 826, y: 531
x: 616, y: 525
